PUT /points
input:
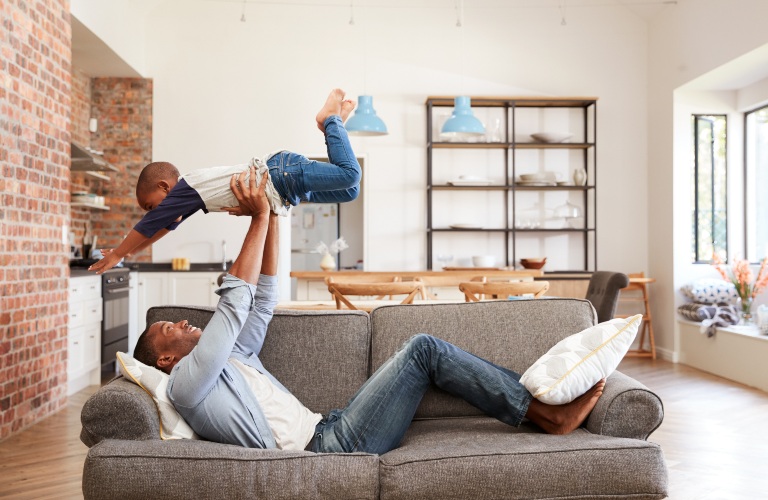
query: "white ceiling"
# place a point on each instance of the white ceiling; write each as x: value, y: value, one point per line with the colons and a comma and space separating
x: 92, y: 56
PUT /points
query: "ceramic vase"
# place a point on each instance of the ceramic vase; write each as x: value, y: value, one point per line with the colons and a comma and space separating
x: 328, y: 263
x: 746, y: 312
x: 579, y: 177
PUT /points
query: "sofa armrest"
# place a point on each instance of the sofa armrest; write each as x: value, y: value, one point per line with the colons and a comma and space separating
x: 119, y: 410
x: 626, y: 409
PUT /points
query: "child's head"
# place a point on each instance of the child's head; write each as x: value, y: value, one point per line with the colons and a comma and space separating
x: 155, y: 181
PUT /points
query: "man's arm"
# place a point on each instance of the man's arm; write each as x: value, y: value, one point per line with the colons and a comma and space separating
x: 252, y: 336
x: 194, y: 376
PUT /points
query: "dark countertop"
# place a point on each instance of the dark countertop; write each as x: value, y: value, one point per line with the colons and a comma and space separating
x: 162, y: 267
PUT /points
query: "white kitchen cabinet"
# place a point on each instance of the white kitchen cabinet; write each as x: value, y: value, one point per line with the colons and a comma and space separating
x: 84, y: 335
x: 174, y: 288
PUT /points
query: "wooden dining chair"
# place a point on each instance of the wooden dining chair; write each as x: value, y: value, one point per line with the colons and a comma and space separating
x: 342, y: 290
x: 448, y: 281
x: 477, y: 291
x: 365, y: 278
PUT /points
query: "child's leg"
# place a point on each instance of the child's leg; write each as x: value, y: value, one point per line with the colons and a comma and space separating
x: 299, y: 179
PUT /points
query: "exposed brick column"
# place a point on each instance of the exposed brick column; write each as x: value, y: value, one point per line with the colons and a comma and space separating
x: 35, y: 40
x: 123, y: 107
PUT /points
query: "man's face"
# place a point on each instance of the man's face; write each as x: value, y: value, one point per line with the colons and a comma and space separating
x: 151, y: 199
x: 177, y: 339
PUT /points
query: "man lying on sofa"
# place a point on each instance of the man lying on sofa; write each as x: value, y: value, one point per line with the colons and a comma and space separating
x: 220, y: 387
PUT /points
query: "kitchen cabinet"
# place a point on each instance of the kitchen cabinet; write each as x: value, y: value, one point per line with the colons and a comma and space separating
x: 174, y: 288
x: 84, y: 334
x: 508, y: 194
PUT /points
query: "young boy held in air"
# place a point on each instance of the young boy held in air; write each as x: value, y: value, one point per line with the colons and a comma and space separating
x: 170, y: 198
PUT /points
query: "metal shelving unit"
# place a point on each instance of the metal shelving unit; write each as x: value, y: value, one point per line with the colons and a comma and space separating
x: 585, y: 147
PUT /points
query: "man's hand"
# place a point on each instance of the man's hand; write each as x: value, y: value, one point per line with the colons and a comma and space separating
x: 251, y: 199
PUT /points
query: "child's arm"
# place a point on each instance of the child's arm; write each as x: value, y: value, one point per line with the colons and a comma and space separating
x: 129, y: 244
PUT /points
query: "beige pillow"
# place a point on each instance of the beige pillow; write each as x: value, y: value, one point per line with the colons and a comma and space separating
x: 155, y: 382
x: 576, y: 363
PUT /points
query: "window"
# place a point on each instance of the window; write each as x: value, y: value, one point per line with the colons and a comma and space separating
x: 709, y: 217
x: 756, y: 183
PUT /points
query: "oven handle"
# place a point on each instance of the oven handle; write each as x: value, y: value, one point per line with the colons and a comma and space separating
x: 121, y: 291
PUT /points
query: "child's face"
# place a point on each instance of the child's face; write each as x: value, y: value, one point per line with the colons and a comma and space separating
x: 150, y: 200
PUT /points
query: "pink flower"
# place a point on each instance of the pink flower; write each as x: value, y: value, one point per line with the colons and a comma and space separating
x: 742, y: 277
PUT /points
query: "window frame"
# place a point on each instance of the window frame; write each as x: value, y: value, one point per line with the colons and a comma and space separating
x: 745, y: 184
x: 695, y: 117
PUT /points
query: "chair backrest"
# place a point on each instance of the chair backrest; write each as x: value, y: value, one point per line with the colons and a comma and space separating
x: 340, y: 291
x: 475, y: 291
x: 447, y: 281
x: 603, y: 292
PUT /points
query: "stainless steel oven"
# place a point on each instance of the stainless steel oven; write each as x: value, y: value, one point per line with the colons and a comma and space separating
x: 114, y: 326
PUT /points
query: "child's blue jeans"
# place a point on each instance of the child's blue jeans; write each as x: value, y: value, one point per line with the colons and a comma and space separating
x: 377, y: 417
x: 299, y: 179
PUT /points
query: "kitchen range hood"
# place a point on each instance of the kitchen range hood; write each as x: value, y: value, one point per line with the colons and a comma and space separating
x: 87, y: 160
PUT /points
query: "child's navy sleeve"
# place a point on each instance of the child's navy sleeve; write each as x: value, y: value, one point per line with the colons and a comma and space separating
x: 182, y: 201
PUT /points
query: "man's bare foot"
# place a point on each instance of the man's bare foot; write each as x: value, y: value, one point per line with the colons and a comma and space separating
x: 347, y: 106
x: 562, y: 419
x: 332, y: 106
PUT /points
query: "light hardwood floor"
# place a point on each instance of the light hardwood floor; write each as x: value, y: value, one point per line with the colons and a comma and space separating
x: 713, y: 436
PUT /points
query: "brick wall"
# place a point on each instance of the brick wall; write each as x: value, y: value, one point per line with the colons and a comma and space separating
x: 34, y: 185
x: 80, y: 115
x: 123, y: 107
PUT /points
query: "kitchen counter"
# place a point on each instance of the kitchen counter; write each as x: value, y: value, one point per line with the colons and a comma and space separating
x: 164, y: 267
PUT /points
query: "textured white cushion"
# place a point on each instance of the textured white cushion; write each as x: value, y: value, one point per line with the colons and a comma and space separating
x: 155, y: 382
x: 711, y: 291
x: 579, y: 361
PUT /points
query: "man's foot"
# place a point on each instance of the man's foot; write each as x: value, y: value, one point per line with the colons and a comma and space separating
x: 562, y: 419
x: 347, y: 106
x: 332, y: 106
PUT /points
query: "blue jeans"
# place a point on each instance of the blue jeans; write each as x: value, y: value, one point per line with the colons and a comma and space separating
x: 299, y: 179
x: 377, y: 417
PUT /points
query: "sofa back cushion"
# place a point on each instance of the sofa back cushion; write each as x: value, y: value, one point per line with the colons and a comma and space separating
x: 512, y: 334
x: 322, y: 357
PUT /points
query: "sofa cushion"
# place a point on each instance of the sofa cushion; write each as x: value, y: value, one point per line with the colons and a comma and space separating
x: 512, y: 334
x: 576, y: 363
x: 155, y: 382
x: 479, y: 457
x: 299, y: 348
x: 183, y: 469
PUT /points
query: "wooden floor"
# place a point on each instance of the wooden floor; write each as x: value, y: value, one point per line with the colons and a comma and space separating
x: 714, y: 437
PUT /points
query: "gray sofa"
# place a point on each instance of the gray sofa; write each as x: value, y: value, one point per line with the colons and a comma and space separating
x: 450, y: 451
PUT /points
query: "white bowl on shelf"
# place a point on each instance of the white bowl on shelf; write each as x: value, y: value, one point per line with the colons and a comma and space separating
x: 551, y: 137
x: 483, y: 260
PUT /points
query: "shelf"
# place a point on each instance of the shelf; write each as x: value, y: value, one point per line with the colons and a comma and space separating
x: 520, y: 102
x: 89, y: 205
x: 514, y: 145
x: 504, y: 187
x: 84, y: 160
x: 96, y: 175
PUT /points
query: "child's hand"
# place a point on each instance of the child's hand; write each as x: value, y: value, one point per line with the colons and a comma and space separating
x: 109, y: 261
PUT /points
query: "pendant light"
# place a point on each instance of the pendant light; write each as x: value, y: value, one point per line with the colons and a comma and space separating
x: 364, y: 122
x: 462, y: 124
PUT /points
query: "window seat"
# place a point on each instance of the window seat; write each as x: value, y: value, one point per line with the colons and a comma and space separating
x: 737, y: 353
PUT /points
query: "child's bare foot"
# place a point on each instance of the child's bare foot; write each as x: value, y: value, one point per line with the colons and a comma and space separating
x: 347, y: 106
x: 562, y: 419
x: 331, y: 107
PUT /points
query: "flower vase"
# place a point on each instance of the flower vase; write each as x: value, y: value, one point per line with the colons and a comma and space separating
x: 328, y: 263
x: 746, y: 312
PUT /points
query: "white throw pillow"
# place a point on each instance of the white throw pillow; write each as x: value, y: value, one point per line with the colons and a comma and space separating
x: 711, y: 291
x: 578, y: 362
x: 155, y: 382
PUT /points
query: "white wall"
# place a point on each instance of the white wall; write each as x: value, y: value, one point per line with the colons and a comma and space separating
x: 685, y: 43
x: 226, y: 90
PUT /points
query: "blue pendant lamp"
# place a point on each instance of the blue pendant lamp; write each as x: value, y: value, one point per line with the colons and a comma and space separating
x: 462, y: 124
x: 365, y: 121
